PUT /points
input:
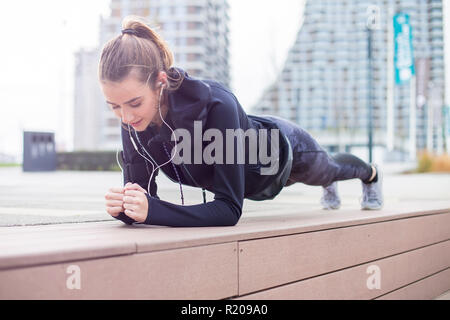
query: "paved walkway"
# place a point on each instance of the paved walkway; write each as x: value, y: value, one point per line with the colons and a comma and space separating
x: 77, y: 196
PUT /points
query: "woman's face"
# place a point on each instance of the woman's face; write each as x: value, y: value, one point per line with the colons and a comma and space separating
x: 132, y: 101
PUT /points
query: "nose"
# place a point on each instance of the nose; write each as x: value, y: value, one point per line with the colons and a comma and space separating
x: 127, y: 117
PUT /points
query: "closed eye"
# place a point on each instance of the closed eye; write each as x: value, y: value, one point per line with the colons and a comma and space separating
x: 131, y: 105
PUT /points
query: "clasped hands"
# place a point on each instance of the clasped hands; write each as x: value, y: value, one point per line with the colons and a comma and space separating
x: 131, y: 199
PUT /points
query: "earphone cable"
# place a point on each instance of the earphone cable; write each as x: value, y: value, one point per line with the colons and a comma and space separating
x: 145, y: 158
x: 144, y: 149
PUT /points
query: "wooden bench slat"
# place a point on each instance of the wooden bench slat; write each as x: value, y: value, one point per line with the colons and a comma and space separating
x: 206, y: 272
x: 425, y: 289
x: 270, y: 262
x: 351, y: 283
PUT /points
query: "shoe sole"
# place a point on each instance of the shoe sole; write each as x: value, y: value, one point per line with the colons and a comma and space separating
x: 330, y: 207
x: 372, y: 208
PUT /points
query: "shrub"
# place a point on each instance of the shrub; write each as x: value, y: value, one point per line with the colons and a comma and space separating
x: 441, y: 163
x: 425, y: 162
x: 87, y: 160
x: 429, y: 162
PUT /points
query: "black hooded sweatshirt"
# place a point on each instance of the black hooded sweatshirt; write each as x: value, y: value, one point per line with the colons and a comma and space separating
x: 216, y: 107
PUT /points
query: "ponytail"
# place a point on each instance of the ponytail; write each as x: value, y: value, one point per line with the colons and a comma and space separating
x: 141, y: 49
x: 142, y: 30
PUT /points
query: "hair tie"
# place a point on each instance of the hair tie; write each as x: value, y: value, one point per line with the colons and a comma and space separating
x: 129, y: 31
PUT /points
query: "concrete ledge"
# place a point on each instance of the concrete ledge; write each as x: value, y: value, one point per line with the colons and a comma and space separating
x: 313, y: 254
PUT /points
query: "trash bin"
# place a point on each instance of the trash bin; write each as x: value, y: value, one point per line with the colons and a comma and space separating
x: 39, y: 152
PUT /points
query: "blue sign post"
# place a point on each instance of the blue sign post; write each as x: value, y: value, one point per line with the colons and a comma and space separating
x: 403, y: 49
x: 447, y: 118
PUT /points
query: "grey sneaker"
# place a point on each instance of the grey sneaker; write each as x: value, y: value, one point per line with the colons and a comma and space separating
x: 373, y: 193
x: 330, y: 199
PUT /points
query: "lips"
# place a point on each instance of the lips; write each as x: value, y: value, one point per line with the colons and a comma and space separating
x: 135, y: 124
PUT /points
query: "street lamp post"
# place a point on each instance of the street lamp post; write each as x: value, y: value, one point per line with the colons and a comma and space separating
x: 373, y: 18
x: 370, y: 97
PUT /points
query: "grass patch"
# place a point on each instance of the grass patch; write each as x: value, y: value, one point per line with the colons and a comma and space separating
x: 6, y: 165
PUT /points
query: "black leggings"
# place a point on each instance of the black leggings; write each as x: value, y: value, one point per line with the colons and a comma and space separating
x: 313, y: 165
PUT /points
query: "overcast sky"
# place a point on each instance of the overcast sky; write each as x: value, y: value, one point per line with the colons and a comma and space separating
x: 39, y: 38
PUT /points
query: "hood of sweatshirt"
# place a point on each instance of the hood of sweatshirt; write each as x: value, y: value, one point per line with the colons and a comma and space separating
x: 186, y: 105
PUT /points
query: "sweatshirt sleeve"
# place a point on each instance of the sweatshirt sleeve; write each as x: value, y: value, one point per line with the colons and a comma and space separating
x: 135, y: 170
x: 228, y: 182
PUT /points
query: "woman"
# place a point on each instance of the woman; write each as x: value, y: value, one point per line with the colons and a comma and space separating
x: 153, y: 100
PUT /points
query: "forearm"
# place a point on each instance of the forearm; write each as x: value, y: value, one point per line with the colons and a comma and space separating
x: 214, y: 213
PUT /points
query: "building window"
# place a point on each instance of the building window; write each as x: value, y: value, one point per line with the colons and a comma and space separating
x: 193, y: 25
x: 194, y: 9
x: 144, y: 12
x: 116, y: 12
x: 193, y: 57
x: 194, y: 41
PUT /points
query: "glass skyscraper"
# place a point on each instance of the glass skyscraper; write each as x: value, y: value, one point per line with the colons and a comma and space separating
x: 324, y: 84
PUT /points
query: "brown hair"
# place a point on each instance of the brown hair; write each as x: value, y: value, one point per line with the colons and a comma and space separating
x: 141, y: 50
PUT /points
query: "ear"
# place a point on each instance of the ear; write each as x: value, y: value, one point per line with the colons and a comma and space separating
x: 162, y: 78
